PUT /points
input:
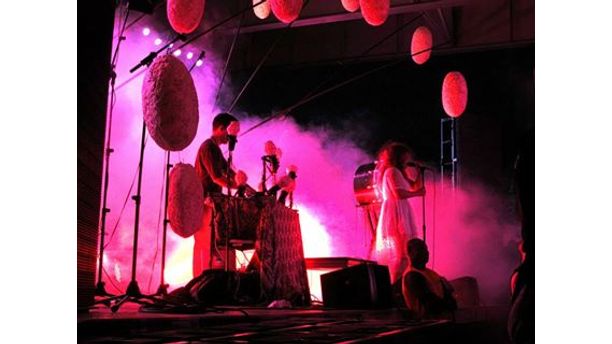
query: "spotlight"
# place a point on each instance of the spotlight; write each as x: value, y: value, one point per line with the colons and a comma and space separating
x: 157, y: 41
x: 177, y: 53
x: 189, y: 55
x: 199, y: 63
x: 146, y: 31
x: 171, y: 45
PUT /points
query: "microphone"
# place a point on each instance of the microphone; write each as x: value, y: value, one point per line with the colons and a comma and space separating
x: 232, y: 131
x: 273, y: 155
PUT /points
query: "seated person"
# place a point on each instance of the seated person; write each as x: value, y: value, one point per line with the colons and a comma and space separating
x: 427, y: 294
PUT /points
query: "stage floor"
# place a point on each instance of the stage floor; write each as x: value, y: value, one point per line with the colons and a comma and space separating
x: 312, y: 325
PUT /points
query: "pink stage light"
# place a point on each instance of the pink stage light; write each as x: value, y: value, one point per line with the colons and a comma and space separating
x: 198, y: 63
x: 421, y: 45
x: 375, y: 12
x: 350, y: 5
x: 454, y: 94
x: 262, y: 11
x: 146, y: 31
x: 286, y: 10
x: 177, y: 52
x: 189, y: 55
x: 157, y: 41
x: 185, y: 15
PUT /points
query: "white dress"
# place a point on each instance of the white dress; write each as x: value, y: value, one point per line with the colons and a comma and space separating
x: 396, y: 224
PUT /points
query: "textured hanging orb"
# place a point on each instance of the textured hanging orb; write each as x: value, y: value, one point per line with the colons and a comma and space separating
x: 286, y: 10
x: 262, y: 11
x: 185, y: 15
x: 185, y: 200
x: 350, y: 5
x: 420, y: 47
x: 170, y: 103
x: 375, y: 12
x: 454, y: 94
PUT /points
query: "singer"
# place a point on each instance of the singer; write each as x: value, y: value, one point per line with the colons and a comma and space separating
x: 397, y: 182
x: 212, y: 169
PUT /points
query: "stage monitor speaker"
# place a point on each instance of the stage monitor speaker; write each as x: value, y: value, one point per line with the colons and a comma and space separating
x: 362, y: 286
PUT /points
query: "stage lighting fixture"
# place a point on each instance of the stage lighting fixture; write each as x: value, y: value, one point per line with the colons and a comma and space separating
x: 157, y: 41
x: 146, y: 31
x: 199, y: 63
x: 189, y: 55
x: 177, y: 53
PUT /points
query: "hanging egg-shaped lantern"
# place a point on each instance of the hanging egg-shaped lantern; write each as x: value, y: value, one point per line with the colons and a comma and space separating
x: 170, y: 103
x: 286, y: 10
x: 454, y: 94
x: 185, y: 200
x: 262, y: 11
x: 350, y: 5
x: 375, y: 12
x: 185, y: 15
x: 420, y: 47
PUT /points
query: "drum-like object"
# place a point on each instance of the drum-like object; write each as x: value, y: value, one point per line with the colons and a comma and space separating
x: 238, y: 217
x: 364, y: 185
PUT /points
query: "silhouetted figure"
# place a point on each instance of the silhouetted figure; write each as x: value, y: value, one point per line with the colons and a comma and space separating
x: 427, y: 294
x: 521, y: 320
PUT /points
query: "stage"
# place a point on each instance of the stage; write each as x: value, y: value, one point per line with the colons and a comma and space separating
x: 311, y: 325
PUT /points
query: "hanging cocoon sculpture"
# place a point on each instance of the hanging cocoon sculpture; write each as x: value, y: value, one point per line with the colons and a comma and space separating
x: 350, y: 5
x: 375, y: 12
x: 286, y: 10
x: 185, y: 15
x: 262, y: 11
x: 170, y: 103
x: 185, y: 200
x: 454, y: 94
x: 420, y: 47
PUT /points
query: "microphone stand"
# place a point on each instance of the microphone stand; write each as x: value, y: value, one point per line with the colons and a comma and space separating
x: 422, y: 168
x: 163, y: 287
x: 132, y: 293
x: 229, y: 210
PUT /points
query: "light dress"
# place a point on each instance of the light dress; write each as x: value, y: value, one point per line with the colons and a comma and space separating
x: 396, y: 224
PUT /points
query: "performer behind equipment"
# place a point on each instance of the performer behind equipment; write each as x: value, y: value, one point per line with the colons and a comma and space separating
x: 212, y: 169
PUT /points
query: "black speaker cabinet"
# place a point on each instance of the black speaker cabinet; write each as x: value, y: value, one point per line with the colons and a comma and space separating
x: 362, y: 286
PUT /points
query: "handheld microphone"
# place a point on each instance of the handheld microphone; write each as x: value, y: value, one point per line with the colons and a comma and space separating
x: 232, y: 131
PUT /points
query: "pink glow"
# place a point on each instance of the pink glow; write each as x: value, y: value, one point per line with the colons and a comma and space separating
x: 473, y: 240
x: 146, y: 31
x: 157, y: 41
x: 177, y: 52
x: 189, y: 55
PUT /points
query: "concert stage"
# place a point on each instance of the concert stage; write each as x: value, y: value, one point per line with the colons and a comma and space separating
x: 311, y: 325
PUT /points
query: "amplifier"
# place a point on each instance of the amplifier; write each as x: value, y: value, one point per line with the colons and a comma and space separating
x: 362, y: 286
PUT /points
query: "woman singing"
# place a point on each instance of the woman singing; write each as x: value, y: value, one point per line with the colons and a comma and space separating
x: 396, y: 224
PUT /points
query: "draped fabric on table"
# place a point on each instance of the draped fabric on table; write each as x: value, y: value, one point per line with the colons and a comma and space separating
x: 279, y: 247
